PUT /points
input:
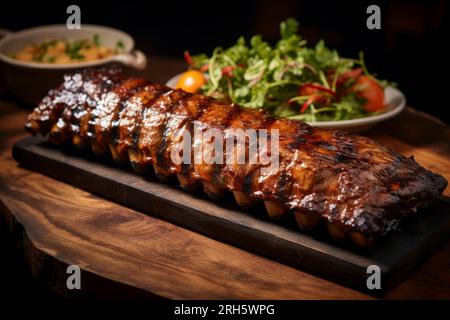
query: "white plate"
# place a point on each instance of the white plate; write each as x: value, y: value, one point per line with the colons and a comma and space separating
x: 394, y: 99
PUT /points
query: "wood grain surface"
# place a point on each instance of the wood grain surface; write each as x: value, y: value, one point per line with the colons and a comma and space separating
x: 128, y: 254
x: 396, y: 254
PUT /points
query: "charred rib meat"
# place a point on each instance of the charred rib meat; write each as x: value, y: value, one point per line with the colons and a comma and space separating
x: 355, y: 186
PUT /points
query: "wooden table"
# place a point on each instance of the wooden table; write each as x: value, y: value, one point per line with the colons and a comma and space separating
x: 128, y: 254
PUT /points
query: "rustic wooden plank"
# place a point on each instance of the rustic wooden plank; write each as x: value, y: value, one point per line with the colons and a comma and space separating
x: 395, y: 255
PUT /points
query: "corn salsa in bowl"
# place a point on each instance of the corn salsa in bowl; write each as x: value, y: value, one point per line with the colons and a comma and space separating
x: 64, y: 51
x: 34, y: 60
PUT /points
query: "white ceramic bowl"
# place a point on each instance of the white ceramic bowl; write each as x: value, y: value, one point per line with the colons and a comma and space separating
x: 394, y: 100
x: 30, y: 81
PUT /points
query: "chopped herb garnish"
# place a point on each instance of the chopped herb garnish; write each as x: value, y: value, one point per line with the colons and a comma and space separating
x: 73, y: 49
x: 48, y: 44
x: 120, y: 45
x: 77, y: 56
x: 96, y: 39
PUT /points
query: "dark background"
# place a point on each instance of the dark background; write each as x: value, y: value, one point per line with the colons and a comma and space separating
x: 410, y: 49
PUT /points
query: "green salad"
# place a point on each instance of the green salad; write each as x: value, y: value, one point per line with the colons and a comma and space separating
x: 288, y: 79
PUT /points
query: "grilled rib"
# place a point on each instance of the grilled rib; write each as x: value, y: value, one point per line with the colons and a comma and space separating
x: 355, y: 186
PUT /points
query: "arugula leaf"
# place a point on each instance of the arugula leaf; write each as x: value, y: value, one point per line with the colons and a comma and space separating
x: 288, y: 28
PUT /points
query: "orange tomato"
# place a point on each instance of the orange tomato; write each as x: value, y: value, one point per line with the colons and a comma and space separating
x: 191, y: 81
x: 369, y: 89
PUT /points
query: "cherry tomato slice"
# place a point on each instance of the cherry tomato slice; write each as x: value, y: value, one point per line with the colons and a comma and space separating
x: 309, y: 88
x: 350, y: 74
x: 187, y: 57
x: 306, y: 90
x: 191, y: 81
x: 369, y: 89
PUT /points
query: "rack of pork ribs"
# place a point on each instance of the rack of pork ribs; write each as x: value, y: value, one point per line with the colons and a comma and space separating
x: 350, y: 184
